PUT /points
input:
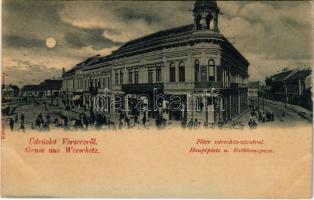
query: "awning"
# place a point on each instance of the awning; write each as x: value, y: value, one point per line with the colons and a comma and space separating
x: 76, y: 97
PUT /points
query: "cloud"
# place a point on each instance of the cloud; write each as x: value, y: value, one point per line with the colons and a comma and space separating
x: 21, y: 41
x: 88, y: 37
x: 32, y: 72
x: 270, y: 34
x: 126, y: 20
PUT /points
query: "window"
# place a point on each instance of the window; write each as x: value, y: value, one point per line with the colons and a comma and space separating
x: 150, y: 76
x: 158, y: 74
x: 197, y: 70
x: 181, y: 72
x: 121, y: 77
x: 211, y: 70
x: 108, y: 82
x: 104, y: 85
x: 172, y: 73
x: 130, y: 77
x: 136, y: 75
x: 116, y: 78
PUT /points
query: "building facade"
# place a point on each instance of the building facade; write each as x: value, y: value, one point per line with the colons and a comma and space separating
x: 253, y: 93
x: 291, y: 86
x: 193, y: 69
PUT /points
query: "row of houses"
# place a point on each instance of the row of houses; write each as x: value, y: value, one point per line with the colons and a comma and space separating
x: 48, y: 88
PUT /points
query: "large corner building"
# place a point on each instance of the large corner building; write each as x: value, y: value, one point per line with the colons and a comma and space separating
x: 184, y: 61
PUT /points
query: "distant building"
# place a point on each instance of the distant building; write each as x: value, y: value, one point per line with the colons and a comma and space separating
x: 9, y: 92
x: 253, y: 92
x: 51, y: 88
x: 35, y: 91
x: 290, y: 86
x: 47, y: 89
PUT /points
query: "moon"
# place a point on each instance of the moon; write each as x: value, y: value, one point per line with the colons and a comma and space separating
x: 51, y: 42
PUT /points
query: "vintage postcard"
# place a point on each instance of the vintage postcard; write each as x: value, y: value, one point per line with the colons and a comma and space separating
x: 156, y: 99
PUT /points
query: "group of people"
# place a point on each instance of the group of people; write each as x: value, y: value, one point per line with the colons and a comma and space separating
x: 40, y: 123
x: 16, y: 119
x: 193, y: 123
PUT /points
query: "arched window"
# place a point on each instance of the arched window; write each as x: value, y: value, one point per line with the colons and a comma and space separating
x: 172, y: 73
x: 181, y: 72
x: 197, y: 70
x: 211, y: 70
x: 208, y: 21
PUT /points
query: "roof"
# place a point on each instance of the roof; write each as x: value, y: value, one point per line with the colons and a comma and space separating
x: 253, y: 84
x: 46, y: 85
x: 51, y: 84
x: 300, y: 75
x: 280, y: 76
x: 158, y: 41
x: 157, y: 35
x: 291, y: 75
x: 205, y: 4
x: 32, y: 88
x: 13, y: 87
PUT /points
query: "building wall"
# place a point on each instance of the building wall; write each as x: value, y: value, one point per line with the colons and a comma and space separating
x: 229, y: 76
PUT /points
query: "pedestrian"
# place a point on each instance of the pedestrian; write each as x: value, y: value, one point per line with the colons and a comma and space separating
x: 220, y: 123
x: 190, y: 124
x: 205, y: 124
x: 127, y: 121
x: 22, y: 117
x: 22, y: 127
x: 48, y: 118
x: 56, y: 122
x: 283, y: 116
x: 144, y: 119
x: 32, y: 126
x: 183, y: 123
x: 120, y: 124
x: 135, y: 119
x: 264, y: 117
x: 11, y: 123
x: 195, y: 123
x: 16, y: 117
x: 85, y: 121
x: 164, y: 122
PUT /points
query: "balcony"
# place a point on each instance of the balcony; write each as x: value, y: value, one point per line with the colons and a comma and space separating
x: 211, y: 84
x: 143, y: 87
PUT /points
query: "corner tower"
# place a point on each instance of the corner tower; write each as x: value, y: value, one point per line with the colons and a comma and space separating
x: 205, y: 15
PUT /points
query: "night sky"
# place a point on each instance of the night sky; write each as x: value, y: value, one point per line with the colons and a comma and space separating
x: 271, y: 35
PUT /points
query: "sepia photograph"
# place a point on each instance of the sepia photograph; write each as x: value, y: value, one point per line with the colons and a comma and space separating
x: 231, y: 80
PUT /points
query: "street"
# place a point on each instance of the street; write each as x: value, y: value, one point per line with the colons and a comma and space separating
x: 291, y: 119
x: 31, y: 111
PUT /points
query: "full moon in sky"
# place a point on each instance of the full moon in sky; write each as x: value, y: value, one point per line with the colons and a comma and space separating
x: 51, y: 42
